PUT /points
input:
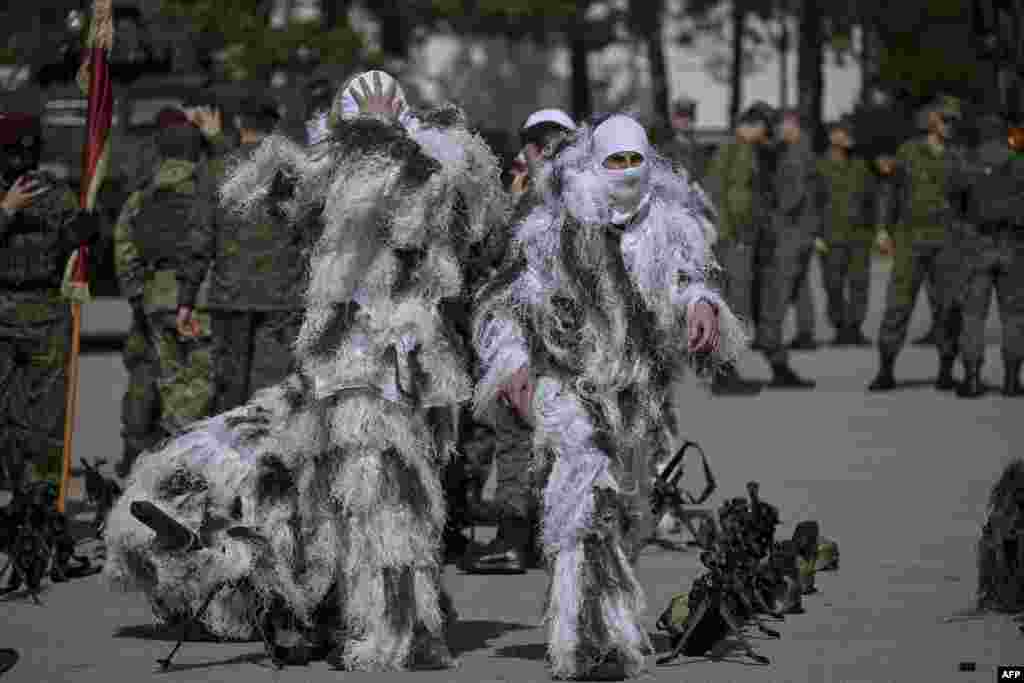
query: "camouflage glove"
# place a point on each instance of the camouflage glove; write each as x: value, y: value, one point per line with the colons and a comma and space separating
x: 820, y: 245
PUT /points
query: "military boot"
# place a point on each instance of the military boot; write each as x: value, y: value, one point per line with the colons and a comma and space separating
x: 506, y: 554
x: 884, y: 380
x: 1011, y: 378
x: 972, y: 386
x: 945, y: 381
x: 784, y: 377
x: 927, y: 339
x: 857, y: 338
x: 804, y: 341
x: 729, y: 383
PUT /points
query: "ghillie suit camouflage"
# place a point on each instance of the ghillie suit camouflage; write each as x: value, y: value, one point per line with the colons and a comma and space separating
x: 330, y: 480
x: 596, y: 308
x: 1001, y: 548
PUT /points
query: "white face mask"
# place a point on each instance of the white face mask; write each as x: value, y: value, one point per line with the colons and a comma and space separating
x: 627, y: 189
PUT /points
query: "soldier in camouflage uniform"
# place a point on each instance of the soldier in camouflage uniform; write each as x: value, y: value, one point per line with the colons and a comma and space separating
x: 683, y: 149
x: 257, y: 276
x: 513, y: 549
x: 794, y: 226
x: 40, y: 225
x: 730, y: 180
x: 169, y: 375
x: 849, y: 235
x: 990, y: 186
x: 924, y: 248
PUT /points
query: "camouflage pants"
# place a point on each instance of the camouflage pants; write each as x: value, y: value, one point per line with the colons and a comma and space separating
x: 806, y: 318
x: 847, y: 276
x: 35, y: 339
x: 169, y: 386
x: 251, y: 351
x: 513, y: 454
x: 913, y: 265
x: 782, y: 277
x: 995, y: 261
x: 140, y: 405
x: 737, y: 260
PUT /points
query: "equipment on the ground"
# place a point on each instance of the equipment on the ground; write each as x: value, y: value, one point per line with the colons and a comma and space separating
x: 36, y: 539
x: 668, y: 496
x: 748, y: 574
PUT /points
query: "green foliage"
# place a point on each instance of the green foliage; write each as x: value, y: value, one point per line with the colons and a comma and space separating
x: 253, y: 46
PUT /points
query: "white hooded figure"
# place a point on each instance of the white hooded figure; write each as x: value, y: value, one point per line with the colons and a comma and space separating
x: 581, y: 336
x: 336, y: 468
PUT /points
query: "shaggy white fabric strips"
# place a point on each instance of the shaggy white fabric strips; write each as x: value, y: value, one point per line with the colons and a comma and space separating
x: 581, y: 302
x: 336, y: 467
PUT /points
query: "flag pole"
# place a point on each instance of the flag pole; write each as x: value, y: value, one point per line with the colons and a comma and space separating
x: 94, y: 79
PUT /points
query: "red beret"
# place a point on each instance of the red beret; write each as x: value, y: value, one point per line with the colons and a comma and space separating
x: 15, y: 126
x: 169, y: 118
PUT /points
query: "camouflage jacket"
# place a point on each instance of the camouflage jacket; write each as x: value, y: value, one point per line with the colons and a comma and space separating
x: 254, y: 265
x: 154, y: 283
x: 35, y: 243
x: 730, y: 180
x: 847, y: 206
x: 927, y: 211
x: 683, y: 151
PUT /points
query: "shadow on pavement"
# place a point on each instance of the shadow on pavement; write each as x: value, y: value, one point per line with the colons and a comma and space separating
x: 101, y: 343
x: 170, y: 633
x: 251, y: 658
x: 470, y: 635
x: 534, y: 652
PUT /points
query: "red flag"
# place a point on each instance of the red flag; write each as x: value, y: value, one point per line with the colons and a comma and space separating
x: 94, y: 78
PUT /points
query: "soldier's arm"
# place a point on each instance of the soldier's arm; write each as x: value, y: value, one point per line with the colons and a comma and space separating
x: 739, y: 191
x: 128, y: 263
x: 202, y: 241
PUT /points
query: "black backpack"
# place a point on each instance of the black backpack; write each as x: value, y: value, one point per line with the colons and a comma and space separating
x: 161, y: 224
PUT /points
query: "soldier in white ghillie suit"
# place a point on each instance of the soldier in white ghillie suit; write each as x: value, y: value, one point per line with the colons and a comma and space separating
x: 581, y: 335
x: 322, y: 493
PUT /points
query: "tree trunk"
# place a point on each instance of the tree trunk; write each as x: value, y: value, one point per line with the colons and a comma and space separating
x: 782, y: 47
x: 579, y: 52
x: 659, y: 71
x: 739, y: 29
x: 332, y: 12
x: 810, y: 67
x: 870, y: 60
x: 396, y: 29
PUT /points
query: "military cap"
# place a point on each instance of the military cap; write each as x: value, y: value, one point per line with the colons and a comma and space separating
x: 685, y: 106
x: 170, y: 117
x: 19, y: 129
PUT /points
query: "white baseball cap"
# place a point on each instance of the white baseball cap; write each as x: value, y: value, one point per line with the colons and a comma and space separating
x: 556, y: 116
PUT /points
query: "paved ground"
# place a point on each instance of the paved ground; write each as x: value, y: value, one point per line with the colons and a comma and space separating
x: 900, y: 480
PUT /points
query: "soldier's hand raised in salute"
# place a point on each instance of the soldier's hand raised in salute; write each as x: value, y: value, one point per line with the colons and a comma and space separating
x: 375, y: 101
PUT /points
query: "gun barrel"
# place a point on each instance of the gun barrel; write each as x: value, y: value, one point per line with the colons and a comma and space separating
x: 171, y: 533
